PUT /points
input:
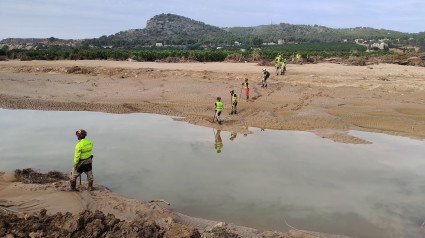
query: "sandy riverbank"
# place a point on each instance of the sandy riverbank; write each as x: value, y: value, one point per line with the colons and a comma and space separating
x: 327, y: 99
x: 39, y: 205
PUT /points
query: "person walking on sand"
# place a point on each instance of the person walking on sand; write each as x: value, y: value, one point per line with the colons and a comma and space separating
x: 283, y: 67
x: 234, y: 101
x: 82, y: 160
x: 218, y: 109
x: 246, y: 85
x: 266, y: 75
x: 277, y: 63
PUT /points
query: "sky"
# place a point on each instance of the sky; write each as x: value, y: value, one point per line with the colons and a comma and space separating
x: 81, y: 19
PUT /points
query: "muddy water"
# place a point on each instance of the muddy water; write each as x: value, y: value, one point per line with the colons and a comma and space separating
x: 258, y: 180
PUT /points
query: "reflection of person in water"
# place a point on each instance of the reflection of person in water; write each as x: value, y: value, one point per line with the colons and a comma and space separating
x: 218, y: 142
x: 233, y: 135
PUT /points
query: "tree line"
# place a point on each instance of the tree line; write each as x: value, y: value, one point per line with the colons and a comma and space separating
x: 207, y: 55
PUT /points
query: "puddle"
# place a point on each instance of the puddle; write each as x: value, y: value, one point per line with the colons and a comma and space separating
x: 256, y: 180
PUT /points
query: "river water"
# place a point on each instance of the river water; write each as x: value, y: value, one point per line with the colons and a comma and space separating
x: 257, y: 180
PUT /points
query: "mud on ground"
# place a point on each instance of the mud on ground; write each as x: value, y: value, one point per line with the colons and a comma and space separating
x: 41, y: 207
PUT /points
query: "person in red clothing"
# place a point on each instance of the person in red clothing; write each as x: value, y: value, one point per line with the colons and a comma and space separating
x: 246, y: 85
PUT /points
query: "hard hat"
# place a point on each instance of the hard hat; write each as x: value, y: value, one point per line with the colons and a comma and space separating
x: 264, y: 69
x: 81, y: 133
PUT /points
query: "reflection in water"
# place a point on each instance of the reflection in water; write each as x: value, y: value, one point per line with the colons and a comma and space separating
x: 218, y: 141
x: 373, y: 190
x: 233, y: 135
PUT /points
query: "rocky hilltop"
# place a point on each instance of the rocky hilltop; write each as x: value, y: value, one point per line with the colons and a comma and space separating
x: 172, y: 29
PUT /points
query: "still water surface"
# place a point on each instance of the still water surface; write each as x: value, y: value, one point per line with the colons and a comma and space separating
x: 258, y: 180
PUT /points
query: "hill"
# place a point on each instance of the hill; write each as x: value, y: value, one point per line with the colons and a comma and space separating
x: 179, y: 31
x: 168, y: 29
x: 307, y: 33
x: 174, y: 30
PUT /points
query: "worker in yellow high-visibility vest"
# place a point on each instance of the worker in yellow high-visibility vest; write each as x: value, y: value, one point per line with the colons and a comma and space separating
x: 82, y: 160
x: 283, y: 67
x: 246, y: 85
x: 234, y: 101
x: 218, y: 109
x: 277, y: 64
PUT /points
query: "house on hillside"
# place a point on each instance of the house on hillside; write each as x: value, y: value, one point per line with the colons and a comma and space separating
x: 381, y: 46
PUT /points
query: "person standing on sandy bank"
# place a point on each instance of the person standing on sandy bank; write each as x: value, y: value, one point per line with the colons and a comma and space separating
x: 266, y: 75
x: 218, y: 109
x: 234, y: 97
x: 246, y: 85
x: 82, y: 160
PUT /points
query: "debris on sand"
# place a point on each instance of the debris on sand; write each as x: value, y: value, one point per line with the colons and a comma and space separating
x: 105, y: 215
x: 30, y: 176
x: 85, y: 224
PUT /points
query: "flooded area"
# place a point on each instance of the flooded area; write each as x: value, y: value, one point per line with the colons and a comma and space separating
x: 261, y: 180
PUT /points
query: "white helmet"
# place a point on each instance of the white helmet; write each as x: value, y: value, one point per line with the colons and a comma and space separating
x: 264, y: 69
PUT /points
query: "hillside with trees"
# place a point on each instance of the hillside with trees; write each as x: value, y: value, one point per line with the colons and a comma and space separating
x: 167, y: 29
x: 174, y: 31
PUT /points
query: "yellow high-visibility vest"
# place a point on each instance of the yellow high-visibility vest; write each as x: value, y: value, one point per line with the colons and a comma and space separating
x: 219, y: 106
x: 234, y: 98
x: 82, y: 150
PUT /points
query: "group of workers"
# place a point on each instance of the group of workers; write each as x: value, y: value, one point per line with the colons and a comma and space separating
x: 83, y: 150
x: 280, y: 65
x: 219, y: 104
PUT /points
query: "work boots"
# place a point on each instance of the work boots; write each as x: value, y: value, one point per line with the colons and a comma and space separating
x: 73, y: 186
x: 90, y: 187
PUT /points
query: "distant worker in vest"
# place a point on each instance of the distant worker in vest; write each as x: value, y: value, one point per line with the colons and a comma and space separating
x: 283, y: 67
x: 234, y: 101
x: 246, y: 86
x: 266, y: 75
x: 82, y: 160
x: 218, y: 109
x: 218, y: 142
x: 298, y: 58
x: 277, y: 64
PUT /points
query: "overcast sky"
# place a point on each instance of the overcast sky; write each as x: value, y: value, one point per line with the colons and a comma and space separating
x: 79, y: 19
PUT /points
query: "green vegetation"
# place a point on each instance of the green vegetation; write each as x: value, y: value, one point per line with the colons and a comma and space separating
x: 210, y: 55
x: 317, y: 49
x: 139, y: 55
